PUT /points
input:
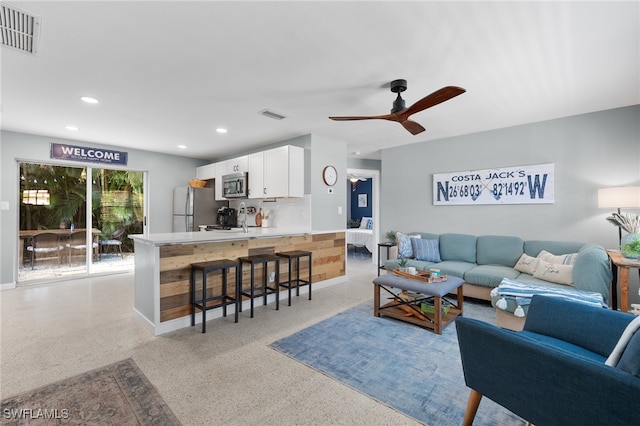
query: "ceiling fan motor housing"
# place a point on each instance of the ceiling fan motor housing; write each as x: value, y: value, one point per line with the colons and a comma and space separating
x: 398, y: 86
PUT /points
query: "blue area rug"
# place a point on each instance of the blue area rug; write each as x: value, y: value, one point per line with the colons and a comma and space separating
x: 398, y: 364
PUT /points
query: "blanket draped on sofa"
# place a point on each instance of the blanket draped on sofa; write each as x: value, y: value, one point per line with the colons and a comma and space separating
x: 523, y: 292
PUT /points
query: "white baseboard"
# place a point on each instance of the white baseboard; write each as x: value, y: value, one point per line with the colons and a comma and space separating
x: 144, y: 321
x: 7, y: 286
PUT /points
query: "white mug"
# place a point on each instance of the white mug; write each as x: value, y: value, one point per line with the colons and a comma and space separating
x: 411, y: 270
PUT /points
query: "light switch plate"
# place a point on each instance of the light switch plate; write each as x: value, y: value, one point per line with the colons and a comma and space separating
x: 4, y: 205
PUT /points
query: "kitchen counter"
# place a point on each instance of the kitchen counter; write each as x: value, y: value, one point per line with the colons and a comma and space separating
x: 162, y: 297
x: 219, y: 235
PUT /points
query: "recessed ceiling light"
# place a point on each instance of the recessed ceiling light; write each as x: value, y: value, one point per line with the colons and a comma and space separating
x: 89, y: 100
x: 356, y: 153
x: 221, y: 130
x: 72, y: 128
x: 182, y: 146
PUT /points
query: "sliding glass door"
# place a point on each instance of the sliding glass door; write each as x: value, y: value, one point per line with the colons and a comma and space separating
x: 74, y: 225
x: 118, y: 210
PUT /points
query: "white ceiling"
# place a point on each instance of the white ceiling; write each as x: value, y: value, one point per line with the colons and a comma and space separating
x: 170, y: 73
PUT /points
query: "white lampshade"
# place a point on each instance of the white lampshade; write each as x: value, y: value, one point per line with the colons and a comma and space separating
x: 622, y: 197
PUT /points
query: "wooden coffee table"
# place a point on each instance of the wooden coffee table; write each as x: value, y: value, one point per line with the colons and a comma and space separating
x: 435, y: 292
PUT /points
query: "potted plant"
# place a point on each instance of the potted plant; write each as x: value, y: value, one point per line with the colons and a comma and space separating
x: 391, y: 236
x: 402, y: 265
x: 630, y: 222
x: 631, y: 248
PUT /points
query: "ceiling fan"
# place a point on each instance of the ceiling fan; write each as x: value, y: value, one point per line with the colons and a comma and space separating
x: 354, y: 179
x: 401, y: 114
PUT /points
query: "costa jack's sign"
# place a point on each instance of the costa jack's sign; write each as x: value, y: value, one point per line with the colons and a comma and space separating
x: 510, y: 185
x: 87, y: 154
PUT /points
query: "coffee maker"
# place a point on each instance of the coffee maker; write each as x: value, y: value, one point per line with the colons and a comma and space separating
x: 227, y: 217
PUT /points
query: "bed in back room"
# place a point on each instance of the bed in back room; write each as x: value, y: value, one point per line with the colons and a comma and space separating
x: 362, y: 236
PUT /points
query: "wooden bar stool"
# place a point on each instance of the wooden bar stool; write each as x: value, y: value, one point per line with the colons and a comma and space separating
x: 263, y: 259
x: 223, y: 299
x: 294, y: 258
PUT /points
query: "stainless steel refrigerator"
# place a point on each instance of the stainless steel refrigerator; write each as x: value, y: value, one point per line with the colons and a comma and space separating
x: 193, y: 207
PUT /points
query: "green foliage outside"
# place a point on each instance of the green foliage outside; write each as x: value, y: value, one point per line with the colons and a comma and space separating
x: 117, y: 199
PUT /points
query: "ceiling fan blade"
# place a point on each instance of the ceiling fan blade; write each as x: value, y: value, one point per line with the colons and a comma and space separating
x: 373, y: 117
x: 433, y: 99
x: 413, y: 127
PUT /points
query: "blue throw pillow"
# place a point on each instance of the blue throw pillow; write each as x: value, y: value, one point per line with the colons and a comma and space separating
x: 630, y: 359
x: 370, y: 224
x: 427, y: 250
x: 405, y: 250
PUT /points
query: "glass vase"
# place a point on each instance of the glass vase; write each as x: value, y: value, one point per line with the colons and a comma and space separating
x: 630, y: 246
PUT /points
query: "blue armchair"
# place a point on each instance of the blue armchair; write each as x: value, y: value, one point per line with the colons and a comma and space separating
x: 553, y: 371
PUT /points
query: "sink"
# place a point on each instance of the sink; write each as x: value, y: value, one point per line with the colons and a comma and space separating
x: 228, y: 231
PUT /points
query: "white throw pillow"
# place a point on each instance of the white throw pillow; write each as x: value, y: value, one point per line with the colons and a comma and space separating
x: 559, y: 274
x: 563, y: 259
x: 526, y: 264
x: 405, y: 250
x: 364, y: 221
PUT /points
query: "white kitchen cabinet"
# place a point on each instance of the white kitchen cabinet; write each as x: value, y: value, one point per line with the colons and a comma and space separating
x: 284, y: 172
x: 256, y: 175
x: 221, y: 170
x: 238, y: 165
x: 206, y: 172
x: 296, y: 171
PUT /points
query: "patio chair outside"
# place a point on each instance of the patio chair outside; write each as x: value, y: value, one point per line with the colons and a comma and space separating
x: 44, y: 244
x: 115, y: 240
x: 77, y: 242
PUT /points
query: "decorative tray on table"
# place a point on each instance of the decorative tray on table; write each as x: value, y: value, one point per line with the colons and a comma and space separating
x: 424, y: 276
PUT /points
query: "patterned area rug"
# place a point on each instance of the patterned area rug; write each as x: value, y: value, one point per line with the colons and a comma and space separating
x: 400, y: 365
x: 117, y: 394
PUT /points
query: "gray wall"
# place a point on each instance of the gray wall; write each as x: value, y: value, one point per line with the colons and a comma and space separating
x: 164, y: 173
x: 589, y: 151
x: 324, y: 206
x: 364, y: 163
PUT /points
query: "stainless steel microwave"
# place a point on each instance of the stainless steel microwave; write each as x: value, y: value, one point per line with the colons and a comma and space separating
x: 235, y: 185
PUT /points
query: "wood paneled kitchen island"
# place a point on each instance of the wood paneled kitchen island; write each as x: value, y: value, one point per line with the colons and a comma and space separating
x: 162, y: 300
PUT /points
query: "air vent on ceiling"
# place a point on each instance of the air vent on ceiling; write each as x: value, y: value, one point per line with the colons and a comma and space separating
x: 19, y: 29
x: 272, y: 114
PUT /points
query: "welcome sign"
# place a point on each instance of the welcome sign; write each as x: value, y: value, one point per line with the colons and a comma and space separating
x: 510, y: 185
x: 88, y: 154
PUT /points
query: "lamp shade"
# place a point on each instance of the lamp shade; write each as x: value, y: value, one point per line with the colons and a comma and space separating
x: 622, y: 197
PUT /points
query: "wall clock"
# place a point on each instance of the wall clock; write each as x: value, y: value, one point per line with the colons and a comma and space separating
x: 330, y: 175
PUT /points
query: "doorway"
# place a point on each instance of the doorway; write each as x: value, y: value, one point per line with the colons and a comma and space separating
x: 74, y: 221
x: 361, y: 182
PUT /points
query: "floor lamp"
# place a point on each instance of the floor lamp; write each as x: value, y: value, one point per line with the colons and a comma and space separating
x: 622, y: 197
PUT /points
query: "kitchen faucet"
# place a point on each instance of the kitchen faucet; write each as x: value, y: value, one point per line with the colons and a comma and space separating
x: 243, y: 210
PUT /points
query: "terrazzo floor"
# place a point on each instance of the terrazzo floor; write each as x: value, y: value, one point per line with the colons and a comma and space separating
x: 227, y: 376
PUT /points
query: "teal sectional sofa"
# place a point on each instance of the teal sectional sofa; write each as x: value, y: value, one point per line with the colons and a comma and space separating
x: 483, y: 261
